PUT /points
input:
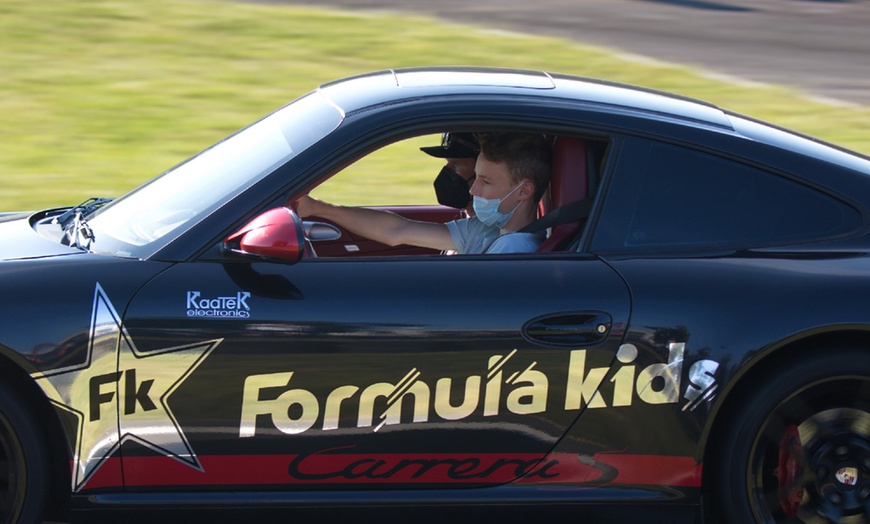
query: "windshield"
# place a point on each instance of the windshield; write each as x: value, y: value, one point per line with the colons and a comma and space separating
x: 146, y: 219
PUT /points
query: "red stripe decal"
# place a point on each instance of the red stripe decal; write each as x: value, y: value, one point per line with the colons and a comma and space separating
x: 333, y: 467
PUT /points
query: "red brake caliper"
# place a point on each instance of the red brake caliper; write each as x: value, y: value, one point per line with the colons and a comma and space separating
x: 789, y: 471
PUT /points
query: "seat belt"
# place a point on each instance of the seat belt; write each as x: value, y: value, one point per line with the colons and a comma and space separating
x: 571, y: 212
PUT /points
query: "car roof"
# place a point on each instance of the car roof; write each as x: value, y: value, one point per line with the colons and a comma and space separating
x: 361, y: 92
x: 381, y: 88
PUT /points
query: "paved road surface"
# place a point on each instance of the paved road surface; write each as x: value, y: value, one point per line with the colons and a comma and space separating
x: 821, y: 47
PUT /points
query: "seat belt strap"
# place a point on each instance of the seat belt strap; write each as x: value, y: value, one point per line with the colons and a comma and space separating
x: 571, y: 212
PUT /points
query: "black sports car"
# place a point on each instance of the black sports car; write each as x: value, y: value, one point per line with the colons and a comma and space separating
x: 694, y: 344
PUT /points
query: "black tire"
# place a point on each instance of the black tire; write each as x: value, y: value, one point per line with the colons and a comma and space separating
x: 798, y: 449
x: 23, y: 462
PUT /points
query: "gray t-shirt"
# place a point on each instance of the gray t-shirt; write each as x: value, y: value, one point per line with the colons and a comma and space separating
x: 471, y: 236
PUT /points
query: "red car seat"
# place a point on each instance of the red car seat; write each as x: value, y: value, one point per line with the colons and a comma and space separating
x: 569, y: 182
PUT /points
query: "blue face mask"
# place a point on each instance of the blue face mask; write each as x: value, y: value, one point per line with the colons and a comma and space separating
x: 486, y: 210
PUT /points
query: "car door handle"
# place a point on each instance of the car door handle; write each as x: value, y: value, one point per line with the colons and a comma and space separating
x: 573, y: 328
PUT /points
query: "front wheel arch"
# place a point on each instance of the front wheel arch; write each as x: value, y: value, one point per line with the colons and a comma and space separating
x: 51, y: 431
x: 24, y: 463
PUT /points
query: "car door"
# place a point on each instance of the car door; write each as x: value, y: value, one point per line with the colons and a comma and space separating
x: 416, y: 372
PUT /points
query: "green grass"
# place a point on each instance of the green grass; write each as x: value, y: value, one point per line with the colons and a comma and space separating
x: 99, y: 96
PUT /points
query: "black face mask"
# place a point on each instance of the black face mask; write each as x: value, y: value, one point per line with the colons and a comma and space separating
x: 451, y: 189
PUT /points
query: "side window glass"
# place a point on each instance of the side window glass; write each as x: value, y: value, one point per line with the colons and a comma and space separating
x: 398, y: 174
x: 666, y: 197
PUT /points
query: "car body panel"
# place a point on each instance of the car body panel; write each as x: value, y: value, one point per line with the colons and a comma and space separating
x: 435, y: 353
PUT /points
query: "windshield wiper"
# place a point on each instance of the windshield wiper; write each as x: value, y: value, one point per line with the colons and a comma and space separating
x: 84, y: 209
x: 73, y: 223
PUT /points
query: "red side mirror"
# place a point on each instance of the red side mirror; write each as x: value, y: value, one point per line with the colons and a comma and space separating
x: 275, y: 234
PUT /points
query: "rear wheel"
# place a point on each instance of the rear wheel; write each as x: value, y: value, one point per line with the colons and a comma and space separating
x: 799, y: 450
x: 23, y: 463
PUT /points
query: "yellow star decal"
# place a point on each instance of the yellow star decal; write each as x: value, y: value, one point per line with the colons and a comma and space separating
x: 121, y: 394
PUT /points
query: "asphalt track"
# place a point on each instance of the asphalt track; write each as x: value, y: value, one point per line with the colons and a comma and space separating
x: 819, y: 47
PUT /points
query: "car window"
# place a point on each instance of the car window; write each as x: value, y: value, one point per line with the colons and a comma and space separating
x: 670, y: 197
x: 139, y: 223
x: 396, y: 175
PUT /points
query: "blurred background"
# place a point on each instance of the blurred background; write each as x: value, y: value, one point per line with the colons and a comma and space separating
x: 99, y: 96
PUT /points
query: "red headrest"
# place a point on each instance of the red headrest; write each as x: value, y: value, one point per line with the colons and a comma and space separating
x: 568, y: 180
x: 568, y: 183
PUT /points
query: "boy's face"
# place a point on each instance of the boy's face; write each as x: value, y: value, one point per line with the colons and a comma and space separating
x: 493, y: 180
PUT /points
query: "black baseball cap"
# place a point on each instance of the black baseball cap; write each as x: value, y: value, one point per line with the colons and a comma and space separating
x: 454, y: 145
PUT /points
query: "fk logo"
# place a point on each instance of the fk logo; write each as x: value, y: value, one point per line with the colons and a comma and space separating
x: 134, y: 393
x: 120, y: 394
